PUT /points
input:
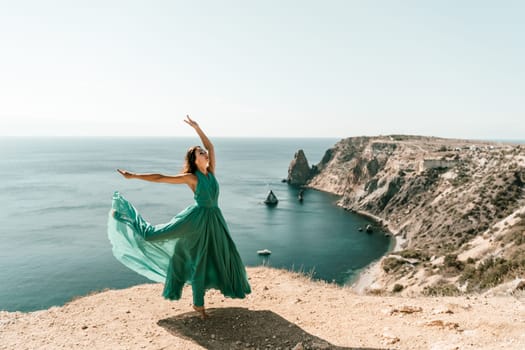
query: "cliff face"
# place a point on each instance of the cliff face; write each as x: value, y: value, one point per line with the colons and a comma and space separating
x: 457, y: 207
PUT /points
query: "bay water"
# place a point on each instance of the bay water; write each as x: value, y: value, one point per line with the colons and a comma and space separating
x: 56, y: 195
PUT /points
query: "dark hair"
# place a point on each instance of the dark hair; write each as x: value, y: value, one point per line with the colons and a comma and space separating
x: 189, y: 161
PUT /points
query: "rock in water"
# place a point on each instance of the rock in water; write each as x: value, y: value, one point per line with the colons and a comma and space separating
x: 299, y: 172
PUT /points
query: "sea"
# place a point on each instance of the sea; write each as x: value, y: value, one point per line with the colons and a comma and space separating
x: 56, y: 195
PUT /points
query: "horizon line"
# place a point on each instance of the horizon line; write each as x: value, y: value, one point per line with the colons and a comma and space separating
x: 496, y: 139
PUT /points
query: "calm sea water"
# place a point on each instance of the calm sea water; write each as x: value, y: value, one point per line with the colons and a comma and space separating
x: 56, y: 194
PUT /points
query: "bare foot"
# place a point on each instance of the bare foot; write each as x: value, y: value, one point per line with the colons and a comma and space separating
x: 202, y: 311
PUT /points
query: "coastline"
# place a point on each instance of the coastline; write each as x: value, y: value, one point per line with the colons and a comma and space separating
x: 438, y: 197
x: 367, y: 277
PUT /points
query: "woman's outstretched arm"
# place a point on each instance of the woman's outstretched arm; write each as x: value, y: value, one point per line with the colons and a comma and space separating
x: 205, y: 142
x: 188, y: 179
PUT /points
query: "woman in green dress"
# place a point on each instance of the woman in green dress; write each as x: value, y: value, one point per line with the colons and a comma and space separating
x: 195, y: 247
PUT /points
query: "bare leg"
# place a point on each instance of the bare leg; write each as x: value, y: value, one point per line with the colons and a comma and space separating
x: 198, y: 298
x: 202, y: 311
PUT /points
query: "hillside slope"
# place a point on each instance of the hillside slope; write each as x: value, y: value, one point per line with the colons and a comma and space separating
x: 456, y: 208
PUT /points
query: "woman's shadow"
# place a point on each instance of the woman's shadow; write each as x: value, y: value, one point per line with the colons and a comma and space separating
x: 240, y: 328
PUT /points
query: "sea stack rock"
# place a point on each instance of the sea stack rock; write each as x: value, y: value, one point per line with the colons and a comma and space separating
x: 299, y: 172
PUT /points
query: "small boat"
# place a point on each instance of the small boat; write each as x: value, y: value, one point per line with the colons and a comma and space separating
x: 264, y: 252
x: 300, y: 196
x: 271, y: 199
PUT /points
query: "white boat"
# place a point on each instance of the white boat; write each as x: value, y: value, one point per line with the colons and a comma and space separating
x: 264, y: 252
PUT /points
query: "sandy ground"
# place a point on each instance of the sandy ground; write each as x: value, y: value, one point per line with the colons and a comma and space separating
x: 285, y: 311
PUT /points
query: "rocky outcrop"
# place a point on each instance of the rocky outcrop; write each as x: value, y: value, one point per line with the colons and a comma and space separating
x: 437, y: 196
x: 299, y: 172
x: 287, y: 311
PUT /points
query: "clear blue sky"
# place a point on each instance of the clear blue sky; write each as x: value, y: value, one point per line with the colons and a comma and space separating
x: 263, y: 68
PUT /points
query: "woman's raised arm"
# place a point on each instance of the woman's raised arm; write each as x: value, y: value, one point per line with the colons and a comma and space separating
x: 205, y: 142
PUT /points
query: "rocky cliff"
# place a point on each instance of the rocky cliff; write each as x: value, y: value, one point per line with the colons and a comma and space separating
x: 456, y: 207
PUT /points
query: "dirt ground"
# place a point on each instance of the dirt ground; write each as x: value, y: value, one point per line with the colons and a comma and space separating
x: 285, y: 311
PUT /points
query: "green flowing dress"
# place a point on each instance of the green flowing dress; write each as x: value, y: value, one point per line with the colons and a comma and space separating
x: 195, y: 247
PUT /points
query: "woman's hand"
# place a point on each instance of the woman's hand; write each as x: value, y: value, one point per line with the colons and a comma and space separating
x: 191, y: 122
x: 125, y: 173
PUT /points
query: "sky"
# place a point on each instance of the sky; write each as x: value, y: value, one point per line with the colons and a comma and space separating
x: 263, y: 68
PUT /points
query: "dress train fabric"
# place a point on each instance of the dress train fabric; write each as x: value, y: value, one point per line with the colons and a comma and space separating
x: 195, y: 247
